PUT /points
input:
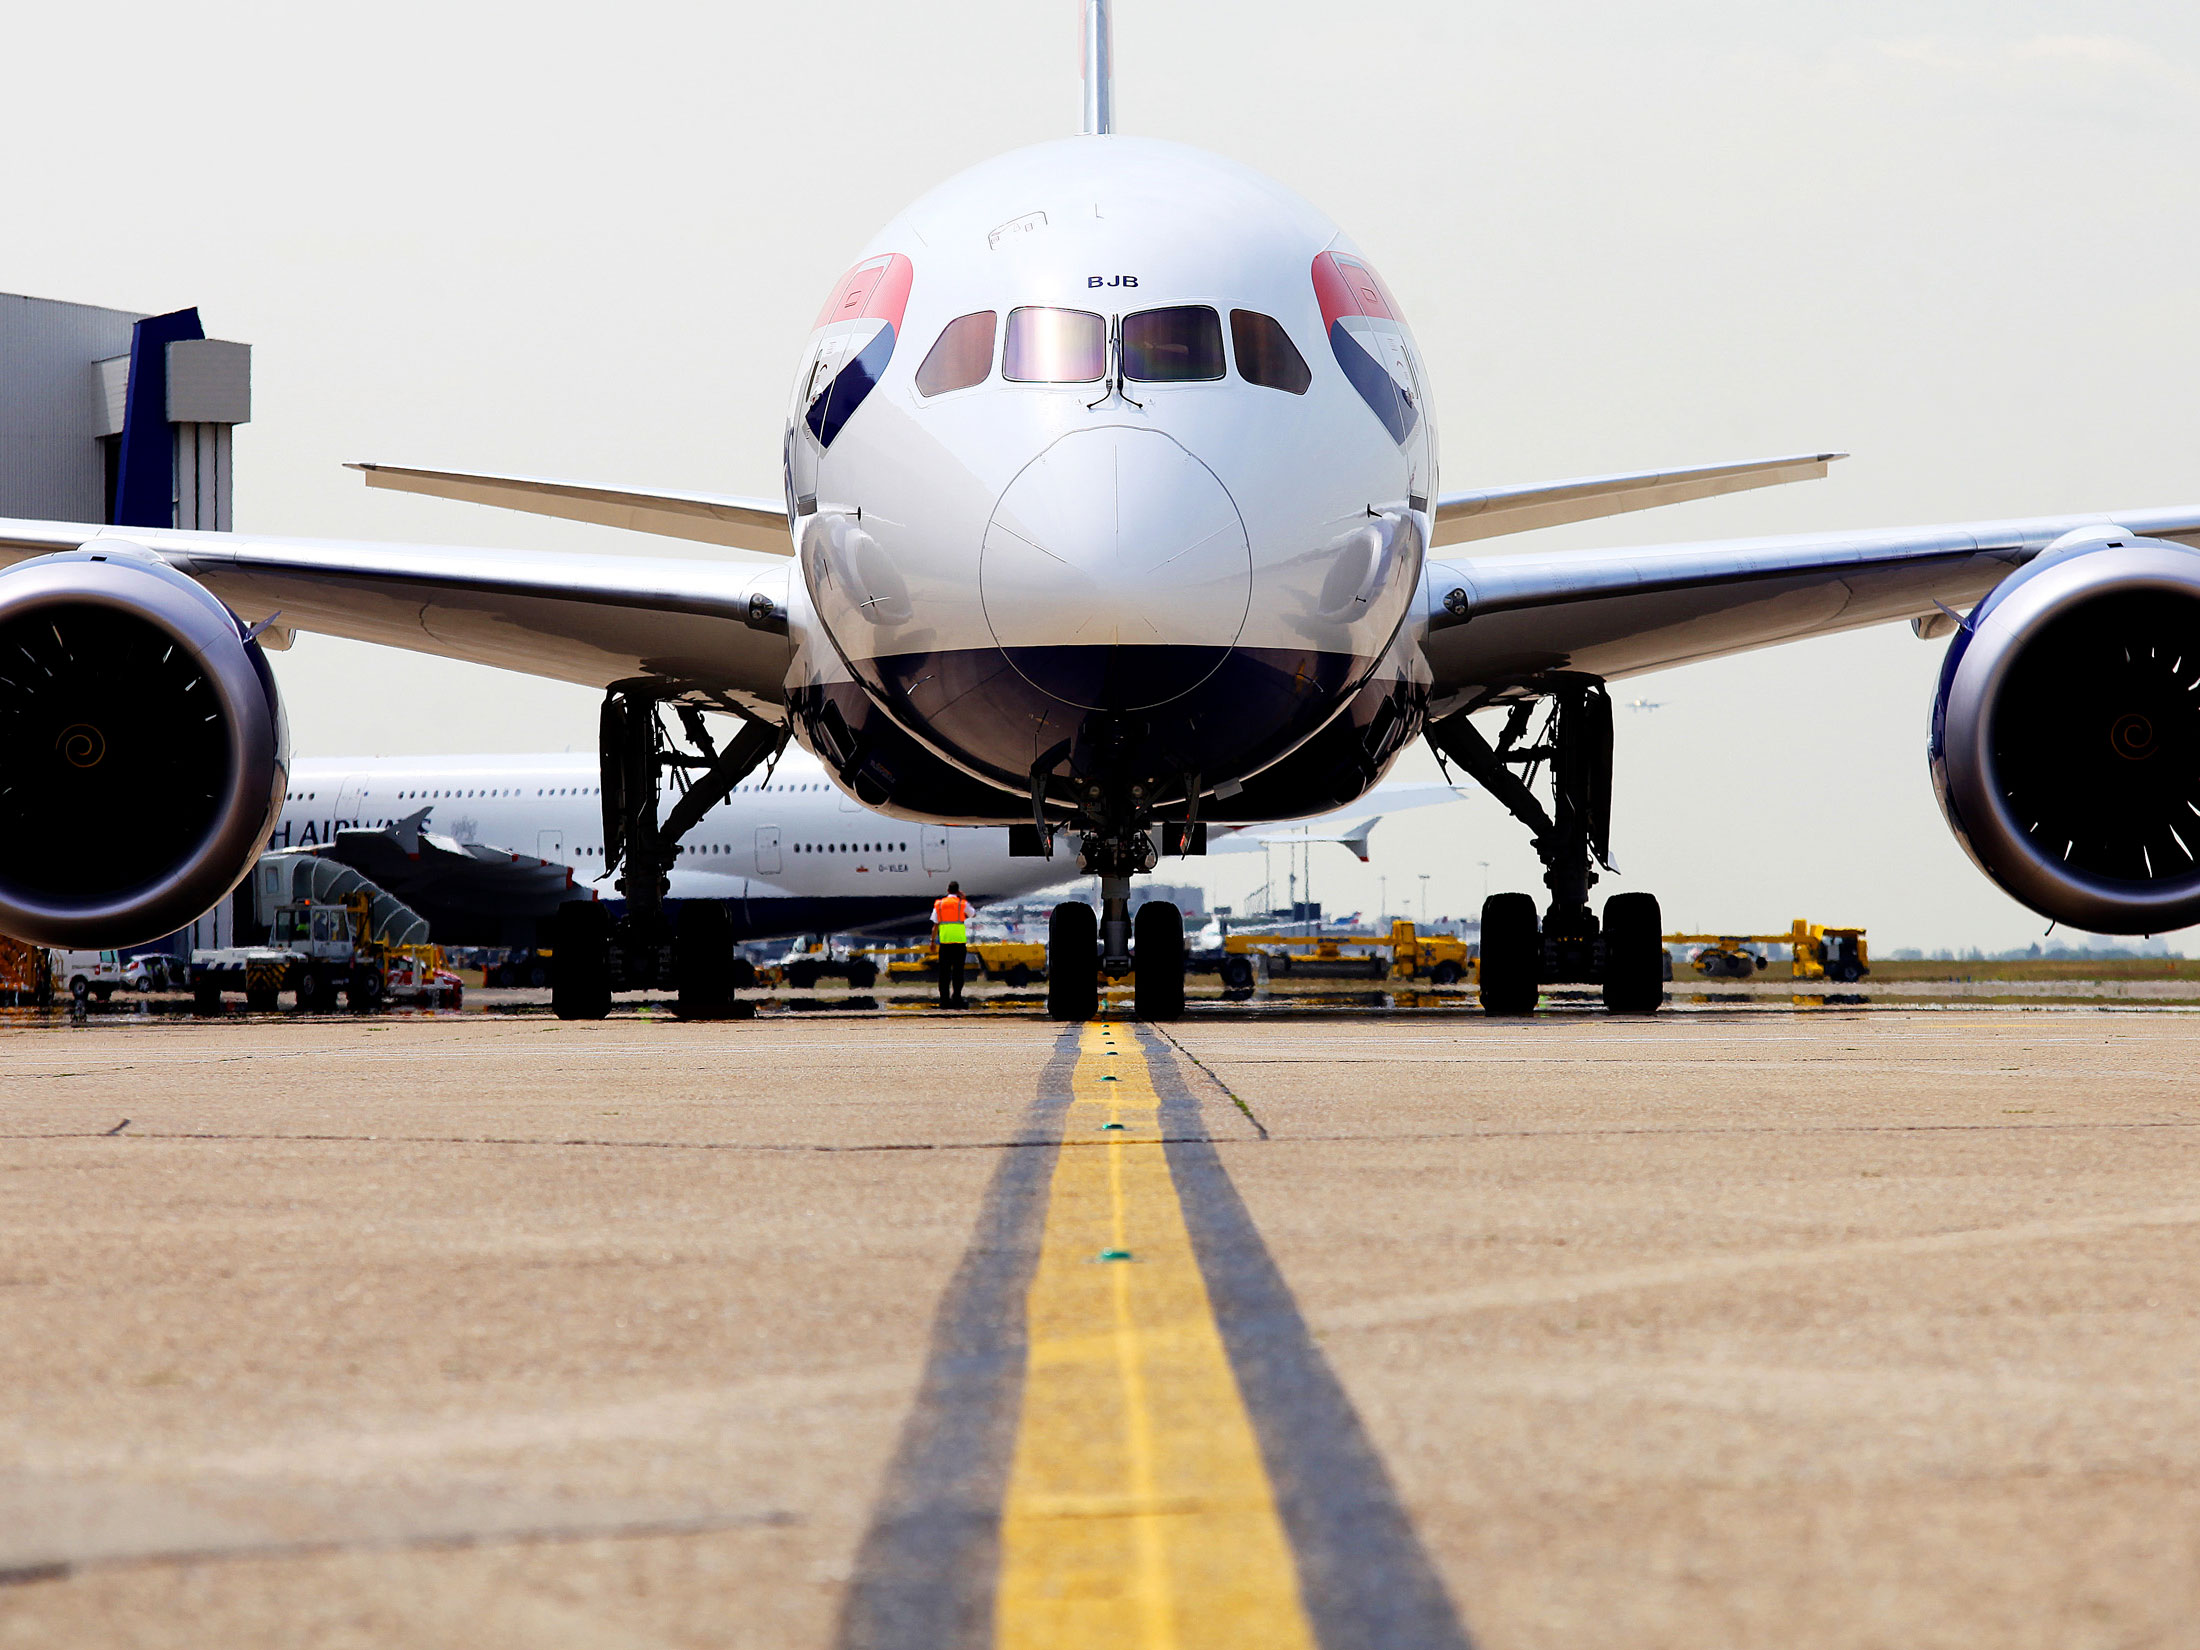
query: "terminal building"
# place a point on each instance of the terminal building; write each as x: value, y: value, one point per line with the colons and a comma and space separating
x: 121, y: 419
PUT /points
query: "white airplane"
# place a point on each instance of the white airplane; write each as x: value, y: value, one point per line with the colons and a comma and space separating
x: 786, y: 852
x: 1110, y: 510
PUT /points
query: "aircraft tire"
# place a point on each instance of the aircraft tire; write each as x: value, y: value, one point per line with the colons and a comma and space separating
x: 1073, y: 962
x: 1634, y: 976
x: 1157, y: 961
x: 1512, y: 955
x: 703, y: 960
x: 580, y: 961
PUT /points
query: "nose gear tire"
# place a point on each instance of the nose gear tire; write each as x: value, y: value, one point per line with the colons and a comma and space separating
x: 1073, y: 962
x: 1157, y: 966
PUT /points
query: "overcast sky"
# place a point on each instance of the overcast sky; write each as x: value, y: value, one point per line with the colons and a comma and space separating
x: 1957, y: 240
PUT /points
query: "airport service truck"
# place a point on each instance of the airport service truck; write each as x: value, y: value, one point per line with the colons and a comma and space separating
x: 330, y: 934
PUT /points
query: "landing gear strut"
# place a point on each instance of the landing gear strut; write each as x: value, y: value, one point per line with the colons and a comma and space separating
x: 1623, y: 952
x: 591, y: 955
x: 1116, y: 842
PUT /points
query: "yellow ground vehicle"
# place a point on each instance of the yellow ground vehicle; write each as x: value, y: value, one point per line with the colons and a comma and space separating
x: 1012, y: 962
x: 1821, y: 953
x: 1441, y: 959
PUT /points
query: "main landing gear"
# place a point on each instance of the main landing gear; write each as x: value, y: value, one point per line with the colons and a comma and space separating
x: 592, y: 955
x: 1623, y: 953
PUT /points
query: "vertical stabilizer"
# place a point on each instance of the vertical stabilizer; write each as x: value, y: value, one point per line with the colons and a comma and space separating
x: 1099, y: 61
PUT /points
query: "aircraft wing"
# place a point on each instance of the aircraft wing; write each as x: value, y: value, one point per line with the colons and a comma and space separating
x: 1489, y: 512
x: 1497, y: 622
x: 714, y: 518
x: 711, y: 632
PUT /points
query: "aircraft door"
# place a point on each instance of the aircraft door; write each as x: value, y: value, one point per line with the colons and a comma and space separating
x: 550, y: 845
x: 350, y: 796
x: 935, y: 848
x: 767, y: 850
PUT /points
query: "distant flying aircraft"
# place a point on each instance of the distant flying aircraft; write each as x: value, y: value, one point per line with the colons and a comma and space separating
x: 1111, y: 514
x: 1645, y: 704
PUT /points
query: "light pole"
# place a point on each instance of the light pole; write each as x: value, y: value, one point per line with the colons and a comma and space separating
x: 1382, y: 899
x: 1424, y: 900
x: 1485, y: 864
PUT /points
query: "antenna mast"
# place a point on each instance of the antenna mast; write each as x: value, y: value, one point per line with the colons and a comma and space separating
x: 1098, y: 42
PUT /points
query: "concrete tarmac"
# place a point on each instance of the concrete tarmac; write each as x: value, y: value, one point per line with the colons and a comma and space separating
x: 1750, y: 1328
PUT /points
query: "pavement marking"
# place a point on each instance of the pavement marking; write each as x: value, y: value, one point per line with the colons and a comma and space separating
x: 1139, y: 1511
x: 1085, y: 1427
x: 1366, y: 1579
x: 924, y: 1575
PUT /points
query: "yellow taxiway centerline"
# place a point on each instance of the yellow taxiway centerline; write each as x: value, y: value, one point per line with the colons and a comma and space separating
x: 1139, y: 1512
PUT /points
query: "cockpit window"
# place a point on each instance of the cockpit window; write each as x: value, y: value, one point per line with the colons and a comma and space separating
x: 962, y: 357
x: 1055, y: 346
x: 1167, y: 346
x: 1265, y: 354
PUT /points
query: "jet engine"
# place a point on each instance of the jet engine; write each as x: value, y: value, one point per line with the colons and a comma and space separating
x: 143, y: 752
x: 2066, y: 733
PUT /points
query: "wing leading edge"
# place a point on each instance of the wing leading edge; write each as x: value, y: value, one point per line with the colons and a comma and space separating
x: 1493, y: 511
x: 1499, y: 622
x: 706, y: 631
x: 711, y: 518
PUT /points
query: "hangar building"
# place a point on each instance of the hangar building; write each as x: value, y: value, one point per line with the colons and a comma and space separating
x: 108, y: 416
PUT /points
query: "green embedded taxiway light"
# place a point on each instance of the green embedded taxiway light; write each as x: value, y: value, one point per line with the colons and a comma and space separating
x: 1115, y: 1254
x: 1107, y: 1126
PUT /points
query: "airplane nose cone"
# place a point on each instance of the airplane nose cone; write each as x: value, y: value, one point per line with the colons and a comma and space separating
x: 1115, y: 571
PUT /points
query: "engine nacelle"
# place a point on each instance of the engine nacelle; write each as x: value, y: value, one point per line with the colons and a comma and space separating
x: 143, y: 752
x: 2066, y: 734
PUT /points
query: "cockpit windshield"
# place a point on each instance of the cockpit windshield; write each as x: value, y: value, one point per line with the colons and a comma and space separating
x: 1055, y: 346
x: 1265, y: 353
x: 1164, y: 346
x: 962, y: 357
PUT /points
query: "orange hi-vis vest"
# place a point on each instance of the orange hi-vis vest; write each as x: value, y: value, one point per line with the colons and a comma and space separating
x: 952, y: 913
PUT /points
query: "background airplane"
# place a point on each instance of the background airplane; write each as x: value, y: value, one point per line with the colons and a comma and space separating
x: 1116, y: 517
x: 784, y: 853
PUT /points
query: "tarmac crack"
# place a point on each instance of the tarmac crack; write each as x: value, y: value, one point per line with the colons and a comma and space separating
x: 1235, y: 1099
x: 1532, y: 1292
x: 18, y: 1575
x: 550, y: 1144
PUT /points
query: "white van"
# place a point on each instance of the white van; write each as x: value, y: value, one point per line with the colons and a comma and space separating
x: 87, y: 973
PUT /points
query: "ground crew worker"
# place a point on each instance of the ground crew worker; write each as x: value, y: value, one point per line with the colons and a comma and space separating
x: 951, y: 933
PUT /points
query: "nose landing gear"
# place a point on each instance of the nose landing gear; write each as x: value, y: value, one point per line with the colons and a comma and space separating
x: 1082, y: 946
x: 1623, y: 953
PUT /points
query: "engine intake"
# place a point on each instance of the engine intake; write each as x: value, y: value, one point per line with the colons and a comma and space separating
x: 2066, y: 734
x: 143, y: 753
